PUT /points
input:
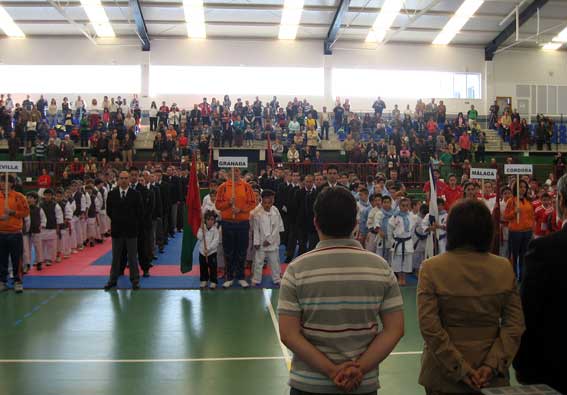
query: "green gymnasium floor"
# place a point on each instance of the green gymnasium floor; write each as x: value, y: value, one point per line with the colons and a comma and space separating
x: 161, y: 342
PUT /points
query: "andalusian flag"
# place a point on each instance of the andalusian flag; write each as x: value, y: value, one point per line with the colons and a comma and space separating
x: 193, y: 220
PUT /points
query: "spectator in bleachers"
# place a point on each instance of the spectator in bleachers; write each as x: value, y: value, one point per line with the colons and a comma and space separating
x: 293, y: 154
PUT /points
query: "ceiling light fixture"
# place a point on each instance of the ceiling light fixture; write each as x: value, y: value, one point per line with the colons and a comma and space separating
x: 291, y: 16
x: 8, y: 25
x: 457, y: 21
x: 98, y: 18
x: 388, y: 13
x: 195, y: 18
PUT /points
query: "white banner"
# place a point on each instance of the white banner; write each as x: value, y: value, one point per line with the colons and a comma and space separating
x: 233, y: 161
x: 518, y: 169
x: 483, y: 174
x: 11, y: 167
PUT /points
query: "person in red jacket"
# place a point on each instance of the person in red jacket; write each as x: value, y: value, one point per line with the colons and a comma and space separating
x: 544, y: 215
x: 43, y: 182
x: 515, y: 133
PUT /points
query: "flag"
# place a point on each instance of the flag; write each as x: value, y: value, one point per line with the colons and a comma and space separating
x: 269, y: 153
x: 193, y: 222
x: 432, y: 243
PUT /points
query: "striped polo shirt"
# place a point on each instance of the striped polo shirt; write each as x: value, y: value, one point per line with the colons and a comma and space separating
x: 338, y: 291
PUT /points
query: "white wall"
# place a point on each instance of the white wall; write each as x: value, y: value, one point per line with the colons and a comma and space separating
x: 507, y: 68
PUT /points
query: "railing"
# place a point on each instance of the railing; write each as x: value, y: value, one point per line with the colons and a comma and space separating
x: 412, y: 175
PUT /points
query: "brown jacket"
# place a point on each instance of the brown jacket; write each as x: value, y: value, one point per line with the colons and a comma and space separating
x: 470, y: 315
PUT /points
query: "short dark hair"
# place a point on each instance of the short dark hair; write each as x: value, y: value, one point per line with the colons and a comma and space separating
x: 267, y: 193
x: 335, y: 212
x: 48, y: 191
x: 386, y: 197
x: 331, y: 167
x: 210, y: 214
x: 470, y: 226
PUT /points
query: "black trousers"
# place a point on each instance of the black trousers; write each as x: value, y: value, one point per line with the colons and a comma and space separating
x: 292, y: 239
x: 144, y: 240
x: 208, y: 268
x: 307, y: 240
x: 121, y: 245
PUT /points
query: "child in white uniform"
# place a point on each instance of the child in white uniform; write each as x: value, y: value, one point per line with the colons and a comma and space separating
x: 54, y: 220
x: 384, y: 242
x: 372, y: 238
x: 419, y: 239
x: 208, y: 236
x: 103, y: 220
x: 33, y: 224
x: 402, y: 226
x: 442, y: 226
x: 267, y: 227
x: 72, y: 226
x: 63, y: 241
x: 92, y: 214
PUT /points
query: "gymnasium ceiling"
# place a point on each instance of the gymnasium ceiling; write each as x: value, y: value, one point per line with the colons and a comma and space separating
x: 261, y: 19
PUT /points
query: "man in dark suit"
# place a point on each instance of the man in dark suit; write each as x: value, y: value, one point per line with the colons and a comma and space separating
x: 281, y: 202
x: 163, y: 186
x: 307, y: 234
x: 144, y: 233
x: 542, y: 357
x: 124, y: 208
x: 174, y: 199
x: 292, y: 211
x: 184, y: 180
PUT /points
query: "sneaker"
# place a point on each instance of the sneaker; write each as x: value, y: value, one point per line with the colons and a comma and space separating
x: 48, y: 263
x: 203, y: 284
x: 74, y: 251
x: 81, y: 248
x: 66, y: 256
x: 213, y: 285
x: 227, y: 284
x: 26, y: 269
x: 18, y: 287
x: 38, y: 267
x: 243, y: 283
x: 58, y: 259
x: 3, y: 287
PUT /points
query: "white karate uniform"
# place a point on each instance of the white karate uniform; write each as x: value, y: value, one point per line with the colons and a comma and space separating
x: 419, y: 241
x: 211, y: 238
x: 103, y: 220
x: 210, y: 206
x: 267, y: 227
x: 64, y: 243
x: 84, y: 220
x: 49, y: 237
x: 33, y: 241
x: 371, y: 238
x: 72, y: 225
x: 402, y: 251
x: 442, y: 233
x: 92, y: 227
x: 383, y: 244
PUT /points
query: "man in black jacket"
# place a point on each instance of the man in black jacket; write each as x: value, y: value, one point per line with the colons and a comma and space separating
x: 305, y: 200
x: 542, y: 357
x: 184, y: 182
x: 174, y: 199
x: 138, y: 183
x: 292, y: 213
x: 282, y: 195
x: 124, y: 208
x: 163, y: 186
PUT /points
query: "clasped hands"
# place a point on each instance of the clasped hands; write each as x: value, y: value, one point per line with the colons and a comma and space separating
x: 347, y: 376
x: 479, y: 378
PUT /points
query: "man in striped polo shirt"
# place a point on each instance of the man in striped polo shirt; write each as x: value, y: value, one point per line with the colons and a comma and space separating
x: 332, y: 301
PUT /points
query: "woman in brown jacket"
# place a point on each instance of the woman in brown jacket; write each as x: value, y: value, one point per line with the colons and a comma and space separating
x: 469, y: 310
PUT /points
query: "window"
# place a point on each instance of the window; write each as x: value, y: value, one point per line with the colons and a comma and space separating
x: 405, y: 84
x: 66, y: 79
x: 236, y: 80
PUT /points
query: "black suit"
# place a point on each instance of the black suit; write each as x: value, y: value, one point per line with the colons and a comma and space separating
x: 184, y: 181
x: 125, y: 215
x: 174, y: 198
x: 157, y: 224
x: 307, y: 234
x: 281, y: 202
x: 166, y: 209
x: 542, y: 357
x: 144, y: 233
x: 292, y: 231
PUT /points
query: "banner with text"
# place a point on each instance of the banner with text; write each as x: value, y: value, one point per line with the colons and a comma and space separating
x: 518, y: 169
x: 233, y: 161
x: 11, y: 167
x: 483, y: 174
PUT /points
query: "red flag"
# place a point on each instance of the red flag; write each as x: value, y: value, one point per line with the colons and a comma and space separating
x: 193, y: 201
x: 269, y: 153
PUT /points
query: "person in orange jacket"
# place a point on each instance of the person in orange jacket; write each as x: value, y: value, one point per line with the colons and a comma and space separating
x: 520, y: 223
x: 235, y: 213
x: 13, y: 209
